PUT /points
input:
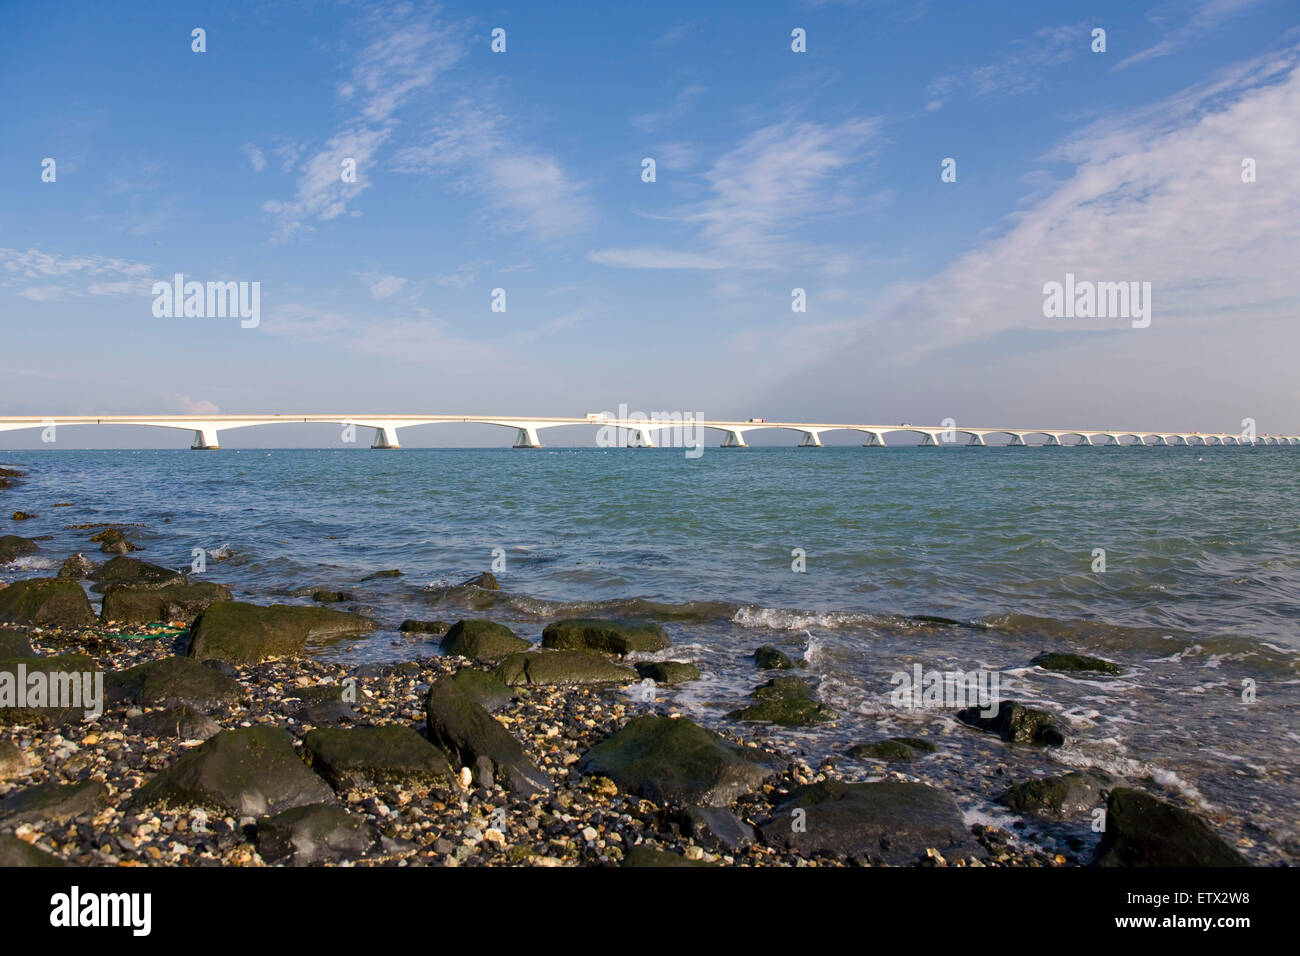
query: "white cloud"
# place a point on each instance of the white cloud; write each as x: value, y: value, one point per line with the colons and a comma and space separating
x: 1203, y: 19
x: 255, y: 157
x: 380, y: 286
x: 1021, y: 69
x: 192, y: 406
x: 653, y: 258
x: 32, y: 271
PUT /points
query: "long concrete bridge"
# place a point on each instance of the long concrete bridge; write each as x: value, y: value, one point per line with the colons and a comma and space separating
x: 641, y: 430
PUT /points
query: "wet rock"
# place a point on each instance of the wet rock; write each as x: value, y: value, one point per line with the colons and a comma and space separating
x: 1074, y: 794
x: 1016, y: 723
x: 55, y: 668
x: 649, y: 856
x: 53, y: 801
x: 787, y: 701
x: 671, y: 760
x: 412, y: 626
x: 113, y: 541
x: 22, y: 516
x: 886, y: 822
x: 182, y: 601
x: 251, y: 771
x: 543, y: 668
x: 317, y: 833
x: 123, y: 570
x: 607, y: 637
x: 717, y: 829
x: 331, y: 597
x: 668, y: 672
x: 484, y: 688
x: 389, y: 573
x: 768, y: 657
x: 175, y: 723
x: 474, y: 739
x: 13, y: 546
x: 77, y: 567
x: 172, y: 680
x: 388, y: 757
x: 14, y: 643
x: 486, y: 581
x: 1057, y: 661
x: 14, y: 852
x: 14, y: 762
x: 247, y: 633
x: 46, y: 602
x: 482, y: 640
x: 1143, y: 831
x: 895, y: 748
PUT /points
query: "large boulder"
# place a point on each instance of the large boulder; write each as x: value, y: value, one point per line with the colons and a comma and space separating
x: 251, y: 771
x: 14, y: 546
x: 76, y: 567
x: 482, y: 640
x: 1074, y: 794
x: 388, y: 757
x: 181, y: 601
x: 46, y: 602
x: 485, y: 688
x: 14, y: 852
x: 1143, y: 831
x: 770, y: 658
x: 124, y: 570
x: 888, y: 822
x: 1016, y: 723
x: 317, y: 833
x: 787, y: 701
x: 668, y: 672
x: 672, y: 760
x: 895, y: 748
x: 14, y: 643
x: 475, y: 739
x: 174, y: 723
x: 247, y: 633
x: 550, y: 668
x: 64, y: 674
x: 172, y: 680
x: 53, y: 801
x: 607, y: 637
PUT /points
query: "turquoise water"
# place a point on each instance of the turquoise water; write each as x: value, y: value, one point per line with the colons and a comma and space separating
x: 1201, y: 589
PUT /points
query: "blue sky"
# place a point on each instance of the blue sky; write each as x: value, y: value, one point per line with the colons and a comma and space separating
x: 775, y: 170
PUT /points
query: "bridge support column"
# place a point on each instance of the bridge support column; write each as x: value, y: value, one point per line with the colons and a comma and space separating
x: 1139, y: 440
x: 1017, y: 441
x: 976, y: 441
x: 811, y: 440
x: 929, y: 439
x: 874, y: 440
x: 1084, y: 440
x: 734, y: 439
x: 1159, y: 440
x: 527, y: 438
x: 205, y: 439
x: 1112, y: 440
x: 385, y: 437
x: 640, y: 438
x: 1053, y: 441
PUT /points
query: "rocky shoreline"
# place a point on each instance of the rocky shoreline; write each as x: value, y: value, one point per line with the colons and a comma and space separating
x: 223, y: 740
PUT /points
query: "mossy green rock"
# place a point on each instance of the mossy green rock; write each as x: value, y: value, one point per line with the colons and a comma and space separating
x: 668, y: 672
x: 475, y: 739
x: 56, y: 667
x: 387, y: 757
x: 787, y: 701
x: 482, y: 640
x: 1073, y: 794
x: 124, y: 570
x: 172, y: 680
x: 1143, y: 831
x: 251, y: 771
x: 46, y: 602
x: 181, y: 601
x: 768, y: 657
x: 607, y: 637
x: 248, y: 633
x: 671, y: 760
x: 14, y: 546
x: 549, y: 668
x: 412, y: 626
x: 53, y: 801
x: 15, y: 852
x: 1057, y: 661
x: 893, y: 749
x: 485, y: 688
x: 317, y: 833
x: 14, y: 643
x: 1016, y: 723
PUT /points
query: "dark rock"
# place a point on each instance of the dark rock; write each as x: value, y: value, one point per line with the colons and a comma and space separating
x: 716, y: 829
x: 671, y: 760
x: 182, y: 601
x: 325, y: 713
x: 1056, y: 661
x: 768, y: 657
x: 895, y: 748
x: 648, y: 856
x: 14, y: 761
x: 387, y: 757
x: 1143, y: 831
x: 607, y: 637
x: 122, y: 570
x: 14, y: 643
x: 887, y: 822
x: 1016, y: 723
x: 389, y: 573
x: 548, y: 668
x: 175, y: 723
x: 412, y: 626
x: 13, y: 546
x: 787, y: 701
x: 46, y: 602
x: 172, y: 680
x: 1072, y: 794
x: 486, y: 581
x: 53, y: 801
x: 22, y: 516
x: 55, y: 668
x: 482, y: 640
x: 475, y: 739
x: 77, y: 567
x: 247, y: 634
x: 316, y: 833
x: 484, y: 688
x: 331, y: 597
x: 14, y: 852
x: 113, y: 541
x: 251, y: 771
x: 668, y: 672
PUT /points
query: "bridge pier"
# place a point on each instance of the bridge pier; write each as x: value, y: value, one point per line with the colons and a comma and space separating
x: 205, y: 439
x: 929, y: 439
x: 734, y: 439
x: 811, y: 440
x: 1017, y: 441
x: 1053, y: 441
x: 1159, y: 440
x: 385, y: 437
x: 977, y: 441
x: 526, y: 437
x: 874, y: 440
x: 640, y: 438
x: 1084, y: 440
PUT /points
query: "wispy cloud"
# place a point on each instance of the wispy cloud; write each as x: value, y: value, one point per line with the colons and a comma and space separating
x: 1202, y: 20
x: 681, y: 105
x: 255, y: 157
x: 381, y: 286
x: 45, y: 276
x: 1022, y: 68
